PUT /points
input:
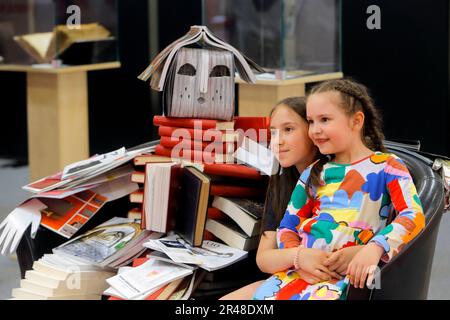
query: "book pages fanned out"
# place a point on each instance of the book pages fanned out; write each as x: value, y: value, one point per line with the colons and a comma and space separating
x: 199, y: 82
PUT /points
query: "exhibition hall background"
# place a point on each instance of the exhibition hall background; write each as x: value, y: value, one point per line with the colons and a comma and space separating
x: 405, y: 64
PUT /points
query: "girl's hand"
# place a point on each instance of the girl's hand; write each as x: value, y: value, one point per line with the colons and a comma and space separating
x: 308, y: 277
x: 339, y: 260
x: 312, y: 261
x: 364, y: 264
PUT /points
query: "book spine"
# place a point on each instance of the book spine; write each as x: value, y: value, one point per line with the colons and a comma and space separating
x: 232, y: 170
x: 204, y: 124
x: 235, y: 191
x: 194, y: 155
x: 220, y: 148
x: 199, y: 135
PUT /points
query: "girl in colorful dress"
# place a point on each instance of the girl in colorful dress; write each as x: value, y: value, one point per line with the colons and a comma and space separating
x: 295, y: 151
x: 336, y: 220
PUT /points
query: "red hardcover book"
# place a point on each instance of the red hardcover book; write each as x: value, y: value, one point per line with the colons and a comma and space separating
x: 193, y: 123
x: 220, y: 147
x: 199, y: 135
x: 234, y: 191
x: 218, y: 169
x: 255, y: 128
x: 194, y: 155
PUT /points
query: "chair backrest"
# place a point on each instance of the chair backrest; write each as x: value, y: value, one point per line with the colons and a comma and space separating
x: 407, y: 276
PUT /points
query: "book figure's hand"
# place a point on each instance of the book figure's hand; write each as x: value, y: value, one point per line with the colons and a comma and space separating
x: 17, y: 222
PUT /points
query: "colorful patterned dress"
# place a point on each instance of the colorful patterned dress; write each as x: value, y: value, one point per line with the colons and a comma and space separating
x: 350, y: 208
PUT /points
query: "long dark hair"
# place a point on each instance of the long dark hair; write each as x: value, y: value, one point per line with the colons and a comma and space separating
x: 354, y: 97
x: 282, y: 185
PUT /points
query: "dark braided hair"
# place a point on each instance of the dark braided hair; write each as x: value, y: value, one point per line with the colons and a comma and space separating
x: 354, y: 97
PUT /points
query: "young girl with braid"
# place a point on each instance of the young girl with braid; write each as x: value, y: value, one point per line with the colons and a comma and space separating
x: 336, y: 218
x: 295, y: 151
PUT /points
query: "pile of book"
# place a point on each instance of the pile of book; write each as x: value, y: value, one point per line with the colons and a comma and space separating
x: 54, y: 277
x: 186, y: 187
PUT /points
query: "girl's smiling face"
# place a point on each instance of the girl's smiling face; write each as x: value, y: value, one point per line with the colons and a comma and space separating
x: 289, y: 138
x: 331, y: 129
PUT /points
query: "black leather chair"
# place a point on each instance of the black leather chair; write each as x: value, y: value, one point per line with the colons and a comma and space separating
x: 407, y: 275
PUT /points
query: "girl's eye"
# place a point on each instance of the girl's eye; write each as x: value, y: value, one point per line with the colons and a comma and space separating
x: 288, y: 129
x: 325, y: 119
x: 310, y: 121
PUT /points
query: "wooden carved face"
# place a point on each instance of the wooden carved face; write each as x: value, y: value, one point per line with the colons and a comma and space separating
x: 203, y: 82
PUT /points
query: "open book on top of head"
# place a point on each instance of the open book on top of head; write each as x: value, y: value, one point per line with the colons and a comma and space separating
x: 199, y: 82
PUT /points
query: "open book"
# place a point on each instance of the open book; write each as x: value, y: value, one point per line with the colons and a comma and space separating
x: 45, y: 46
x: 157, y: 70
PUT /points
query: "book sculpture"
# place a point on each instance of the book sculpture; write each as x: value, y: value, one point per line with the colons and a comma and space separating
x: 199, y: 82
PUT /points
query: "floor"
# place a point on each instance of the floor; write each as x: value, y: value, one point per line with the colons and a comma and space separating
x: 11, y: 195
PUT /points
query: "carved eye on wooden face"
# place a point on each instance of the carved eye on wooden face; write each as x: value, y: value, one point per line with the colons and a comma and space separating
x: 220, y: 71
x: 187, y: 69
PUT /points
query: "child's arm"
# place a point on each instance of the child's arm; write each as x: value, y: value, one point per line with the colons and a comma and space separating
x: 271, y: 260
x: 405, y: 227
x: 410, y: 219
x: 299, y: 209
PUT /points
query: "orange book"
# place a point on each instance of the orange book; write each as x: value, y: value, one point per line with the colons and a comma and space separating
x: 192, y: 123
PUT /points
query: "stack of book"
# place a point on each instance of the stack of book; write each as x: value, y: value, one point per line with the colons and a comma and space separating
x: 169, y: 200
x: 60, y: 278
x: 235, y: 221
x: 207, y: 140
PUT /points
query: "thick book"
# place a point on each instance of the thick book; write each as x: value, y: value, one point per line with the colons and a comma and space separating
x: 208, y: 135
x: 245, y: 212
x: 188, y: 144
x: 203, y: 124
x: 194, y: 155
x: 161, y: 194
x: 191, y: 216
x: 231, y: 234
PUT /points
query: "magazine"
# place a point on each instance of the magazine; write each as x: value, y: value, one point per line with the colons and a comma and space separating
x: 105, y: 243
x: 210, y: 256
x: 146, y: 278
x: 86, y: 177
